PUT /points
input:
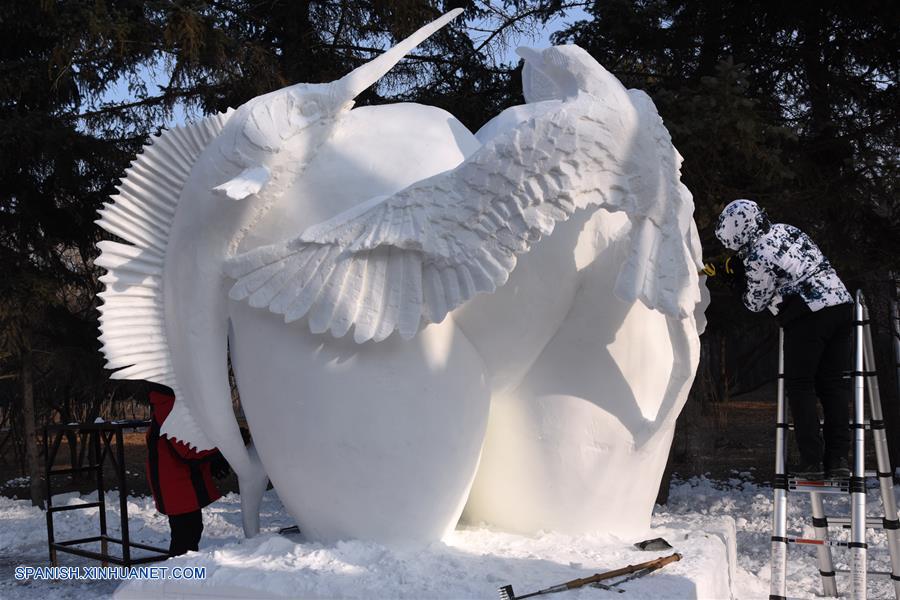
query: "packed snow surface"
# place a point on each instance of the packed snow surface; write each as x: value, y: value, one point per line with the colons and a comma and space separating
x: 471, y: 562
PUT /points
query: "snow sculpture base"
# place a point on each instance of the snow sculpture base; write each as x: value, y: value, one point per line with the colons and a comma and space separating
x: 471, y: 563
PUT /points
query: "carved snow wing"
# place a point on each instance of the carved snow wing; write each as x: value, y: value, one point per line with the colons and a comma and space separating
x: 392, y: 263
x: 132, y: 316
x: 141, y: 213
x: 134, y: 319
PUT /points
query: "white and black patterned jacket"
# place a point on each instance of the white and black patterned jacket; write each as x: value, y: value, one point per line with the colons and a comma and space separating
x: 779, y: 261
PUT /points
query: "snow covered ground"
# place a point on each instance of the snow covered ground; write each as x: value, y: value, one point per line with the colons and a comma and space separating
x: 472, y: 563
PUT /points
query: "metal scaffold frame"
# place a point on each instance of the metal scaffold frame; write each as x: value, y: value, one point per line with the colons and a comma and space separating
x: 107, y: 442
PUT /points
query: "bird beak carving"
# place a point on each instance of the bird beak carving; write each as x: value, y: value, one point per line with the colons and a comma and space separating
x: 348, y: 87
x: 274, y: 118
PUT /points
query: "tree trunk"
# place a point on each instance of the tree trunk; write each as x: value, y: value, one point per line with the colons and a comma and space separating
x: 64, y: 408
x: 31, y: 437
x: 711, y: 44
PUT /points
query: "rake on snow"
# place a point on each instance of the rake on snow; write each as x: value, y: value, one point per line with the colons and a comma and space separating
x: 639, y: 570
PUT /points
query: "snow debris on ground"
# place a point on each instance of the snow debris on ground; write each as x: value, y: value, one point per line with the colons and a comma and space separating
x: 472, y: 562
x: 17, y: 482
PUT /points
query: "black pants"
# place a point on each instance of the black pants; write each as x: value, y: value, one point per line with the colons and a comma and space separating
x: 817, y: 352
x: 186, y: 532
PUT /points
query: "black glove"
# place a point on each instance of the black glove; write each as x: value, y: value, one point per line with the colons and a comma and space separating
x: 730, y: 272
x: 219, y: 467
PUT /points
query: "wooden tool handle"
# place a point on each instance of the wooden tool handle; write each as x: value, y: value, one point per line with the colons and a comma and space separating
x: 650, y: 564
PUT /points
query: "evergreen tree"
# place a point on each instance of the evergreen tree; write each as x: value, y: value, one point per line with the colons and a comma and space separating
x: 67, y: 135
x: 54, y: 173
x: 794, y: 105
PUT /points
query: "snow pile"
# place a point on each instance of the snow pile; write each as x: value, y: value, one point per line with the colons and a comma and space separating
x: 751, y: 506
x: 472, y: 562
x: 469, y: 563
x: 17, y: 482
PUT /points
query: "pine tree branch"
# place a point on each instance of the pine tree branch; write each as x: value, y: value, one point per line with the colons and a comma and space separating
x: 517, y: 18
x: 418, y: 57
x: 149, y: 101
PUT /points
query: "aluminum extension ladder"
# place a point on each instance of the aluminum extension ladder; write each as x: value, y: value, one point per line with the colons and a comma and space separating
x: 864, y: 378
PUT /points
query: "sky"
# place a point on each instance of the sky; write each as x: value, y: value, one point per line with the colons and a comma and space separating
x: 157, y: 76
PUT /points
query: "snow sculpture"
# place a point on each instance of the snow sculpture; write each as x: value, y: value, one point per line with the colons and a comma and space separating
x: 266, y: 227
x: 584, y: 402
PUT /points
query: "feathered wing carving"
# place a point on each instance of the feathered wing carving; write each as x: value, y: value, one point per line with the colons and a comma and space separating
x: 132, y: 316
x: 393, y: 262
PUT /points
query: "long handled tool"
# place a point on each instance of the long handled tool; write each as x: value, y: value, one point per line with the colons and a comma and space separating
x: 614, y: 587
x: 506, y: 592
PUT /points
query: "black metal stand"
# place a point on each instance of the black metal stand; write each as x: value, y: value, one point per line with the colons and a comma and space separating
x: 107, y: 441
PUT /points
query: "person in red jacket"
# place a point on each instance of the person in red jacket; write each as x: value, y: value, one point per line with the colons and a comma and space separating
x: 180, y: 478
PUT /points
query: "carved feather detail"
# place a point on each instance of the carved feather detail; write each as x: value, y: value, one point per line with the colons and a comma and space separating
x: 132, y: 316
x: 394, y: 263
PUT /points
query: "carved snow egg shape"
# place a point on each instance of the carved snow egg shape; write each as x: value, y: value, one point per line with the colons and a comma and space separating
x: 586, y: 387
x: 579, y: 443
x: 376, y: 441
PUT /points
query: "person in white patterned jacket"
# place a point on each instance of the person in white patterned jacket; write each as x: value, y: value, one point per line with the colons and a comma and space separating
x: 784, y: 271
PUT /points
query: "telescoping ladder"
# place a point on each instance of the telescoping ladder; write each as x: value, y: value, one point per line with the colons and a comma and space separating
x: 864, y: 379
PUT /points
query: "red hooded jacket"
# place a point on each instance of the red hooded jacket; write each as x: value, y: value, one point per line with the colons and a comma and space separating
x: 179, y: 477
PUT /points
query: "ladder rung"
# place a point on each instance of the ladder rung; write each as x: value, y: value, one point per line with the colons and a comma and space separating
x: 815, y: 542
x: 867, y: 424
x: 839, y: 481
x: 71, y: 470
x: 827, y: 486
x: 876, y: 573
x: 75, y: 506
x: 845, y: 521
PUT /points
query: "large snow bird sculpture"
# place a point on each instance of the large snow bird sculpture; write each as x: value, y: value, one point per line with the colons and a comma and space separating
x: 458, y: 233
x: 474, y: 249
x: 164, y: 315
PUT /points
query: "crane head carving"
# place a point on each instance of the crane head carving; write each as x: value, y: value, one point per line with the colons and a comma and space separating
x: 562, y: 72
x: 263, y: 126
